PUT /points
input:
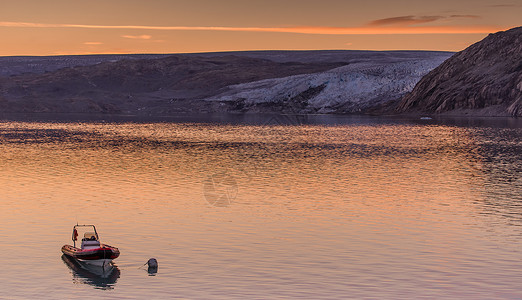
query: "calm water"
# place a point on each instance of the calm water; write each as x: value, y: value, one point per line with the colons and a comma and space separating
x: 368, y: 208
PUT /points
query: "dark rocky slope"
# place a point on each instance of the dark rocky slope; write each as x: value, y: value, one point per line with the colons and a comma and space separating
x: 484, y: 79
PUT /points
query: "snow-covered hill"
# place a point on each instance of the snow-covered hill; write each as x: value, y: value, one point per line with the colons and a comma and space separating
x: 352, y: 88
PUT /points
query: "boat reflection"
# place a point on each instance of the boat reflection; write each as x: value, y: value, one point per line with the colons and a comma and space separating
x: 99, y: 277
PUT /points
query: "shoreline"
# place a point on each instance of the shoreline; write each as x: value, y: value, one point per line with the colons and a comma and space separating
x: 267, y: 119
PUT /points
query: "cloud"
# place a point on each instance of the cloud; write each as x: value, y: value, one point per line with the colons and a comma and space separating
x: 503, y: 5
x: 137, y: 37
x: 414, y: 20
x: 464, y: 17
x: 405, y: 20
x: 93, y: 43
x: 399, y: 28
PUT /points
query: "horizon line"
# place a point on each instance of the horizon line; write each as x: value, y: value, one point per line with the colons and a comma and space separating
x: 219, y: 51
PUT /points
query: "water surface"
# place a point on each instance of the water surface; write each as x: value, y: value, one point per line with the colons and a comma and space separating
x: 315, y: 208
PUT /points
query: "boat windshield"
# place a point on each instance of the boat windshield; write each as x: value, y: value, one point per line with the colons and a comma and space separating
x: 89, y: 236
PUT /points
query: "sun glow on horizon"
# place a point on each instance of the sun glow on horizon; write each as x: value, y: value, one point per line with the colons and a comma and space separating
x: 120, y: 26
x: 371, y: 30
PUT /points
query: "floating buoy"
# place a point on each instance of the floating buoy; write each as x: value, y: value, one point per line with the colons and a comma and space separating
x: 153, y: 266
x: 152, y: 263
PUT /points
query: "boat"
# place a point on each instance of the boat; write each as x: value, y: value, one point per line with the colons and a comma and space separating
x: 91, y: 251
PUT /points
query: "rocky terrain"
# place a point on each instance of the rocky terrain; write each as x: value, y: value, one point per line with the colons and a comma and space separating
x: 483, y: 80
x: 258, y: 81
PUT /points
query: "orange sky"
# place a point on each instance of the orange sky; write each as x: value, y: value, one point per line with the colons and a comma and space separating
x: 35, y: 27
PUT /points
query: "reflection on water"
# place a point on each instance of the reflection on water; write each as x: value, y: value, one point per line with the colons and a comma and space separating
x: 100, y: 277
x: 384, y: 209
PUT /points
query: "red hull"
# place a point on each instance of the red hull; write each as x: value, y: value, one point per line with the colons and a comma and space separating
x: 103, y: 252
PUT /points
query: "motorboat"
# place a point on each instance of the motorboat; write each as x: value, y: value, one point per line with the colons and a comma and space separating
x: 91, y: 251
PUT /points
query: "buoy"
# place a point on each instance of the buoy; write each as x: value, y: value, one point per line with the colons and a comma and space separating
x: 152, y: 263
x: 153, y: 266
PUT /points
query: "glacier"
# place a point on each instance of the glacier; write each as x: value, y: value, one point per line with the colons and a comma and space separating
x: 348, y: 89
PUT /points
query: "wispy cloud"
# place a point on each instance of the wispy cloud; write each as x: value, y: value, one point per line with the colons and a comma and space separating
x: 405, y: 20
x: 415, y: 20
x: 503, y: 5
x: 400, y: 27
x: 464, y: 17
x: 93, y: 43
x: 137, y: 37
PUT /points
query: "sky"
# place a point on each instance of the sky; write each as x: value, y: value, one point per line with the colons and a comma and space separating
x: 57, y: 27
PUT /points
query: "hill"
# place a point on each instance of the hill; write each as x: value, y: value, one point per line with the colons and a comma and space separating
x: 251, y: 81
x: 483, y: 80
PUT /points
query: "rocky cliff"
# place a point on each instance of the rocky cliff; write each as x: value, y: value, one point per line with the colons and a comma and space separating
x: 484, y: 79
